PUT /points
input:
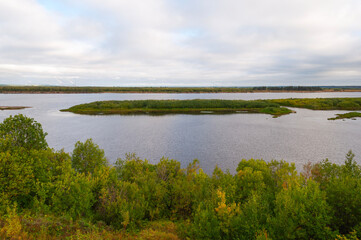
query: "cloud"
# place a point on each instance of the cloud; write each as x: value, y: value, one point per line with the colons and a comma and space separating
x: 174, y: 42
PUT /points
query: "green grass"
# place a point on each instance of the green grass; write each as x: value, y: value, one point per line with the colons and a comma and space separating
x: 195, y: 106
x: 346, y: 115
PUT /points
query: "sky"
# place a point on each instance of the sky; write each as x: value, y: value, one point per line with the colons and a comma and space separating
x: 180, y: 42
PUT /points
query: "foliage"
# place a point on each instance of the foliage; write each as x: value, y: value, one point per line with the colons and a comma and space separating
x: 301, y: 212
x: 20, y: 131
x: 346, y: 115
x: 321, y: 103
x: 194, y: 106
x: 72, y: 193
x: 64, y: 89
x: 87, y: 157
x: 212, y: 106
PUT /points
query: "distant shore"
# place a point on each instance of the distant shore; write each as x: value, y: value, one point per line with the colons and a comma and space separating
x: 77, y: 90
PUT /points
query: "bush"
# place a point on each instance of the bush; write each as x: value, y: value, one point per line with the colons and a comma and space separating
x: 122, y: 205
x: 301, y: 212
x: 22, y: 132
x: 72, y: 194
x: 87, y: 157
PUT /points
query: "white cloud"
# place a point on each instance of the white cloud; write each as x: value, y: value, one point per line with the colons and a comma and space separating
x: 173, y: 42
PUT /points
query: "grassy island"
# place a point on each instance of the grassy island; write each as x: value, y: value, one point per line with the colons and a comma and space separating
x: 195, y: 106
x: 212, y: 106
x: 346, y: 115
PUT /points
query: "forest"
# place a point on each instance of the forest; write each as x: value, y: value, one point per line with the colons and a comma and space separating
x: 51, y: 194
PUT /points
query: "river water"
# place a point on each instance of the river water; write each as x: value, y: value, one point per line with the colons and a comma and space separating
x: 221, y: 140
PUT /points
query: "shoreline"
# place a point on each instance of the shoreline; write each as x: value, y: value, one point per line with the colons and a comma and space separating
x: 175, y: 92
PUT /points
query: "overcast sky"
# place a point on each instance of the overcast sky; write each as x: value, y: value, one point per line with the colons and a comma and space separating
x: 180, y: 42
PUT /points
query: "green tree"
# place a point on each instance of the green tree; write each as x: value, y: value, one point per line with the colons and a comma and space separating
x: 87, y: 157
x: 21, y: 131
x: 301, y: 212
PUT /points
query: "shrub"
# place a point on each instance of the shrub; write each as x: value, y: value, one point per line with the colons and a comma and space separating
x: 21, y: 131
x: 87, y: 157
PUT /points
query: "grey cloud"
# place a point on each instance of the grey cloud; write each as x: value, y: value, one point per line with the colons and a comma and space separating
x: 173, y: 42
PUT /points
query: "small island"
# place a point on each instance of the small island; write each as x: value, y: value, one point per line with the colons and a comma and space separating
x: 275, y: 107
x: 12, y: 107
x: 351, y: 115
x: 194, y: 106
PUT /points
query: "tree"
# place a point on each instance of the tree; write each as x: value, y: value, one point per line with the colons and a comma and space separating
x: 301, y: 211
x: 21, y: 131
x: 87, y: 157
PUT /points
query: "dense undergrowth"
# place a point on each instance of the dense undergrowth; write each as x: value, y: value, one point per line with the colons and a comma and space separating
x: 48, y: 194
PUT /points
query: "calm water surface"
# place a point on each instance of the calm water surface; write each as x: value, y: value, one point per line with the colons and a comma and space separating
x: 221, y: 140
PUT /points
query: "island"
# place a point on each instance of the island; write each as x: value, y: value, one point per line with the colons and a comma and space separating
x: 351, y: 115
x: 12, y: 107
x: 275, y: 107
x: 194, y: 106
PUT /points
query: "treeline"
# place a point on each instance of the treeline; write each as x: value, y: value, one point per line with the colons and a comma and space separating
x: 69, y: 89
x: 289, y: 88
x: 60, y: 89
x: 47, y: 194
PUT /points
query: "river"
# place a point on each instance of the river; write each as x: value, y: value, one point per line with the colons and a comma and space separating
x: 221, y: 140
